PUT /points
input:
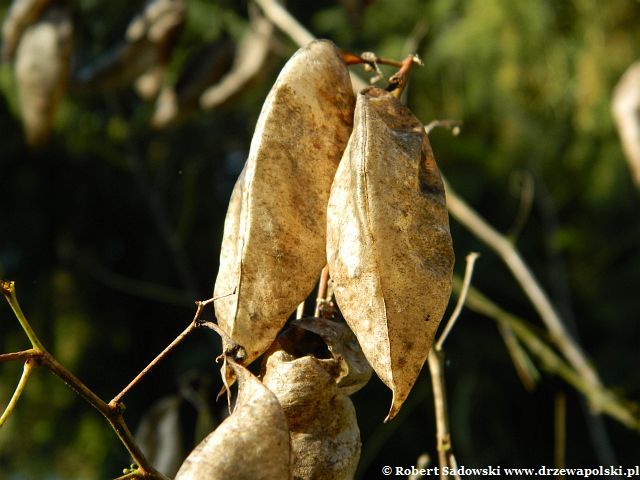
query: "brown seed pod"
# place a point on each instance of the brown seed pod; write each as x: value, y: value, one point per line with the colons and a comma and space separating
x: 274, y: 237
x: 21, y: 14
x: 343, y: 345
x: 41, y: 69
x: 251, y: 443
x: 625, y: 106
x: 389, y: 248
x: 325, y: 439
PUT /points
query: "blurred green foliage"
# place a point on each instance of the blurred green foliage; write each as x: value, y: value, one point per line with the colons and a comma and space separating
x: 114, y: 229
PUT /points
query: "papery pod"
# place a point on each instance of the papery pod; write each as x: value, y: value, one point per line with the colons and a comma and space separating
x: 20, y: 15
x: 144, y: 53
x: 389, y: 247
x: 343, y: 345
x: 159, y: 435
x: 274, y: 237
x: 41, y: 70
x: 625, y: 106
x: 252, y: 443
x: 325, y: 439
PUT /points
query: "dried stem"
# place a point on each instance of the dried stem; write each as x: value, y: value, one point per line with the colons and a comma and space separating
x: 507, y: 251
x: 28, y: 368
x: 282, y: 19
x: 322, y: 291
x: 610, y: 403
x: 399, y: 80
x: 560, y: 430
x: 118, y: 398
x: 436, y: 369
x: 9, y: 291
x: 453, y: 125
x: 32, y: 353
x: 443, y: 435
x: 288, y: 24
x: 113, y: 415
x: 192, y: 326
x: 368, y: 58
x: 526, y: 370
x: 468, y: 273
x: 40, y: 356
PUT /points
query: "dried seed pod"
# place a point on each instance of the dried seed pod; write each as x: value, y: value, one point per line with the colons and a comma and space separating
x: 625, y: 106
x: 159, y: 435
x: 21, y: 14
x: 251, y: 443
x: 389, y: 248
x: 355, y: 371
x: 325, y: 439
x: 274, y: 237
x: 41, y: 69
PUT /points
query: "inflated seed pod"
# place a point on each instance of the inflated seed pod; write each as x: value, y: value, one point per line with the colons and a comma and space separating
x: 41, y: 70
x: 355, y: 371
x: 21, y: 14
x: 389, y: 247
x: 274, y: 236
x: 325, y: 439
x: 252, y: 443
x: 625, y: 106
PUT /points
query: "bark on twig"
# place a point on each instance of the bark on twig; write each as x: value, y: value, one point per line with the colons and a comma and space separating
x: 610, y: 403
x: 468, y: 217
x: 282, y: 19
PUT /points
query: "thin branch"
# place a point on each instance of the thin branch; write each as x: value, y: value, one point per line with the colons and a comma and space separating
x: 132, y: 286
x: 32, y: 353
x: 39, y: 355
x: 322, y: 291
x: 468, y: 273
x: 252, y: 54
x: 28, y: 368
x: 282, y: 19
x: 192, y: 326
x: 526, y: 370
x: 506, y: 250
x: 453, y: 125
x: 8, y: 289
x: 611, y: 404
x: 443, y: 435
x: 288, y: 24
x: 560, y: 430
x: 398, y: 81
x: 446, y: 459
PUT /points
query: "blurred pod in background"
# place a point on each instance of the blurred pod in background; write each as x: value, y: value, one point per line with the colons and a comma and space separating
x: 21, y: 14
x: 41, y: 70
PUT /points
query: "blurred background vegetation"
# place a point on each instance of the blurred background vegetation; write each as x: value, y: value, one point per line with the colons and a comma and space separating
x: 114, y: 229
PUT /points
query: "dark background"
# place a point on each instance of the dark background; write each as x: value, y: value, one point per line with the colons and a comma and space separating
x: 114, y: 229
